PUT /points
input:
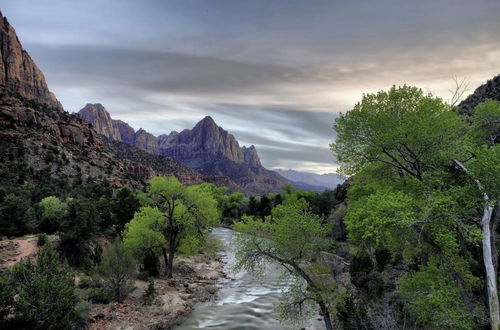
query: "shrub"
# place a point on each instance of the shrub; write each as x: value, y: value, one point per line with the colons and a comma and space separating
x: 42, y: 239
x: 99, y: 296
x: 116, y: 268
x: 150, y: 293
x: 45, y: 291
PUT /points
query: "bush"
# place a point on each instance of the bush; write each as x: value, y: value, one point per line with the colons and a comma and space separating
x: 150, y: 293
x: 45, y: 291
x: 99, y: 296
x: 42, y: 239
x: 116, y: 268
x: 7, y: 291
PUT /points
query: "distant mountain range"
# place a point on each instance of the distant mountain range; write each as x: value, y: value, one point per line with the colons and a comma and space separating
x: 206, y: 148
x: 312, y: 181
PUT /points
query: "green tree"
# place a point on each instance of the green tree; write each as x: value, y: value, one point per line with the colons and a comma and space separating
x: 178, y: 221
x: 79, y: 229
x: 292, y: 240
x: 407, y: 198
x: 486, y: 121
x: 17, y: 215
x: 124, y: 207
x: 117, y: 268
x: 45, y: 291
x: 404, y: 129
x: 53, y: 212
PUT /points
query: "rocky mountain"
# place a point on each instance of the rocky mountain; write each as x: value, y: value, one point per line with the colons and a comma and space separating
x: 312, y: 181
x: 206, y: 141
x: 18, y: 73
x: 206, y: 148
x: 490, y: 90
x: 41, y: 143
x: 100, y: 120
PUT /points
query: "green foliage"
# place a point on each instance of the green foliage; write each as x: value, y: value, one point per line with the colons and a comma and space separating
x: 434, y: 298
x: 485, y: 168
x: 177, y: 220
x: 292, y: 240
x: 53, y: 211
x: 116, y: 269
x: 402, y: 128
x: 124, y: 207
x: 150, y: 293
x: 381, y: 219
x: 17, y: 216
x: 45, y: 291
x: 144, y: 232
x: 99, y: 295
x: 42, y: 239
x: 486, y: 122
x: 407, y: 200
x: 79, y: 227
x: 7, y: 292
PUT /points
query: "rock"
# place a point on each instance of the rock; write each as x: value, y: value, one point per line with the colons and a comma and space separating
x: 212, y: 289
x: 18, y: 72
x: 100, y: 119
x: 250, y: 156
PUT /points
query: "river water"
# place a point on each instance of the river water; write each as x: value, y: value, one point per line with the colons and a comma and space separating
x: 243, y: 302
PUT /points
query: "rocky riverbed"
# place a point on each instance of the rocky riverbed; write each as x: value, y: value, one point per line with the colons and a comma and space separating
x: 194, y: 280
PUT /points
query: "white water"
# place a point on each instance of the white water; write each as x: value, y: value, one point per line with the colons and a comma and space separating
x: 245, y: 303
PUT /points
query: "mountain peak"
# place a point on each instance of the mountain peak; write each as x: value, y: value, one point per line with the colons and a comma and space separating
x: 97, y: 115
x: 206, y: 122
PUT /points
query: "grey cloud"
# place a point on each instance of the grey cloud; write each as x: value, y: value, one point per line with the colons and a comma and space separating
x: 261, y: 68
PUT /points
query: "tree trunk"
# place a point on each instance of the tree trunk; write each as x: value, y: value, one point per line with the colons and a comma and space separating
x: 165, y: 259
x: 171, y: 252
x: 491, y: 279
x: 326, y: 316
x: 488, y: 237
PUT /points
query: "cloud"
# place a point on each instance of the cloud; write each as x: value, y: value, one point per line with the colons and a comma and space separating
x: 274, y: 73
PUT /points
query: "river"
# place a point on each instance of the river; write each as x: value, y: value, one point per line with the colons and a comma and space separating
x: 243, y: 302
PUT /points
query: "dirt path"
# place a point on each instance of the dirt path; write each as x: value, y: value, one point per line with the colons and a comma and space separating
x: 13, y: 250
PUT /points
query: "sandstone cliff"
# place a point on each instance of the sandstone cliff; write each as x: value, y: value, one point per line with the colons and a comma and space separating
x: 100, y: 119
x: 18, y: 73
x: 204, y: 142
x: 41, y: 143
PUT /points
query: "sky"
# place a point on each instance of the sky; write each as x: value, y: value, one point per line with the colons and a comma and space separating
x: 275, y: 74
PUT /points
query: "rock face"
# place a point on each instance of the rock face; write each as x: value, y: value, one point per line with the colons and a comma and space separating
x: 18, y: 72
x: 127, y: 133
x: 100, y: 119
x: 206, y: 141
x: 490, y: 90
x: 146, y: 141
x: 250, y: 156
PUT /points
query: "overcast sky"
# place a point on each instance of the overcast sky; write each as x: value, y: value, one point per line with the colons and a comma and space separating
x: 273, y: 73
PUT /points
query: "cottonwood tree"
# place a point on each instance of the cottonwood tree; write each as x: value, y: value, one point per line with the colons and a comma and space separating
x: 293, y: 240
x: 178, y: 218
x: 401, y: 145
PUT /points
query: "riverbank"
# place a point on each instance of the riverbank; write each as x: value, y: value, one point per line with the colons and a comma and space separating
x: 195, y: 280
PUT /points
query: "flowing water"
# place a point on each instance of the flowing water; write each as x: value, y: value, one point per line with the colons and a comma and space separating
x: 244, y: 302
